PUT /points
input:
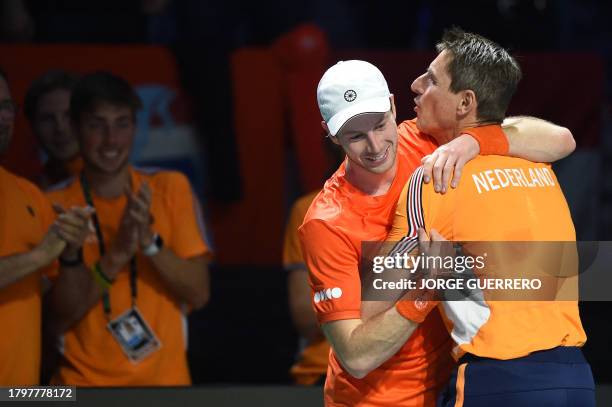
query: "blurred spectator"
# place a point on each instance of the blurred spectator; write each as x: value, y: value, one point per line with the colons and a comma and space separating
x: 47, y: 107
x: 122, y: 311
x: 30, y: 242
x: 311, y: 364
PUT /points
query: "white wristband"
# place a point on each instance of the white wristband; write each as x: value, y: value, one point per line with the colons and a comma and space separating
x: 154, y: 248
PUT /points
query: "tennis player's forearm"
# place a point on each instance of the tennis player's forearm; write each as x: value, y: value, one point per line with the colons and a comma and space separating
x: 537, y: 140
x: 369, y: 344
x: 187, y: 279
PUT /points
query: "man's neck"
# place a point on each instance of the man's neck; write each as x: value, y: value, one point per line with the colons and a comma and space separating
x: 107, y: 186
x: 368, y: 182
x: 445, y: 135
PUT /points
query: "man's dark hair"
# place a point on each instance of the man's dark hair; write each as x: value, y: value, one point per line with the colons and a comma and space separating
x: 102, y: 87
x: 484, y: 67
x: 48, y: 82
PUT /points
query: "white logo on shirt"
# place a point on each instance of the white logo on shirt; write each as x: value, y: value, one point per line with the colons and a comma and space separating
x: 327, y: 294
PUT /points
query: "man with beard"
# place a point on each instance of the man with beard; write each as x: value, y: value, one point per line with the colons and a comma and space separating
x: 125, y: 295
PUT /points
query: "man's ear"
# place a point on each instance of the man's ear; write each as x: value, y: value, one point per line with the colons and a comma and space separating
x: 393, y: 111
x: 467, y: 103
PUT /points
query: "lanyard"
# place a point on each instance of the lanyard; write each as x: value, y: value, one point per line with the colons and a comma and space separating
x: 133, y: 285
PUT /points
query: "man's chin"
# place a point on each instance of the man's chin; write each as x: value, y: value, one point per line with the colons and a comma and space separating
x: 383, y: 168
x: 108, y: 170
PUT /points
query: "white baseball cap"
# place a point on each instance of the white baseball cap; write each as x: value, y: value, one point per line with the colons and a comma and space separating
x: 351, y: 88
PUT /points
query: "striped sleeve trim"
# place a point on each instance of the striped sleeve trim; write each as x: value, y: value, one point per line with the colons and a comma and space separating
x: 414, y: 214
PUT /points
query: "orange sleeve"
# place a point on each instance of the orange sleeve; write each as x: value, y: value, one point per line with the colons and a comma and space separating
x: 333, y: 269
x: 491, y: 138
x: 188, y: 237
x: 399, y: 229
x: 292, y: 251
x: 47, y: 216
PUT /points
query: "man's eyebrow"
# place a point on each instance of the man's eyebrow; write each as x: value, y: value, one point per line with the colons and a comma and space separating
x: 382, y: 120
x: 350, y: 133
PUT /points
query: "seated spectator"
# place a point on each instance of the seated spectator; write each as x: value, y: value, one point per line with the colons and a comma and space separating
x: 47, y: 107
x: 121, y: 307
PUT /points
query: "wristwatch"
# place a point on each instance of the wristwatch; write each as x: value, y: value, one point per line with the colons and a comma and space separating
x: 72, y: 262
x: 155, y: 247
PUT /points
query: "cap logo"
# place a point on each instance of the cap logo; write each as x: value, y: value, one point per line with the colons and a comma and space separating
x: 350, y: 95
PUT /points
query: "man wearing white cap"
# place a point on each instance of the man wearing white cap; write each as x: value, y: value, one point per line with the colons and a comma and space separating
x: 372, y: 361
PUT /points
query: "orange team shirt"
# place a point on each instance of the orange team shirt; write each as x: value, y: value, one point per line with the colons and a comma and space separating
x: 499, y: 199
x: 91, y: 356
x: 25, y: 217
x: 311, y: 364
x: 339, y: 219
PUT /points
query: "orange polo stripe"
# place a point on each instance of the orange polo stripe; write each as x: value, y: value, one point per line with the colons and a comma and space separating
x: 460, y: 385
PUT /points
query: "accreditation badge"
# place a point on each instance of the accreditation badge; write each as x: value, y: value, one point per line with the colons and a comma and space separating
x: 136, y: 338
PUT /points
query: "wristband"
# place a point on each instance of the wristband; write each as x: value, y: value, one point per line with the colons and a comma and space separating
x: 102, y: 279
x: 155, y: 247
x: 415, y: 310
x: 72, y: 263
x: 491, y: 138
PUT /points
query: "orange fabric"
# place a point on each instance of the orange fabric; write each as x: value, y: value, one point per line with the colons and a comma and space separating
x: 339, y: 219
x: 75, y: 166
x: 460, y: 386
x: 312, y: 360
x: 491, y: 139
x: 292, y: 250
x: 25, y: 216
x: 312, y: 363
x: 503, y: 199
x: 91, y: 356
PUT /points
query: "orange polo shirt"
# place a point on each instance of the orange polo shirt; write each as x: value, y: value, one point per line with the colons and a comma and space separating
x: 338, y: 221
x: 91, y: 356
x: 502, y: 199
x: 25, y: 217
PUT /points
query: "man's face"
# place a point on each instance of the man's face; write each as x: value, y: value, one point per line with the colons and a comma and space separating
x: 370, y: 141
x: 436, y: 105
x: 105, y: 136
x: 7, y: 115
x: 52, y: 125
